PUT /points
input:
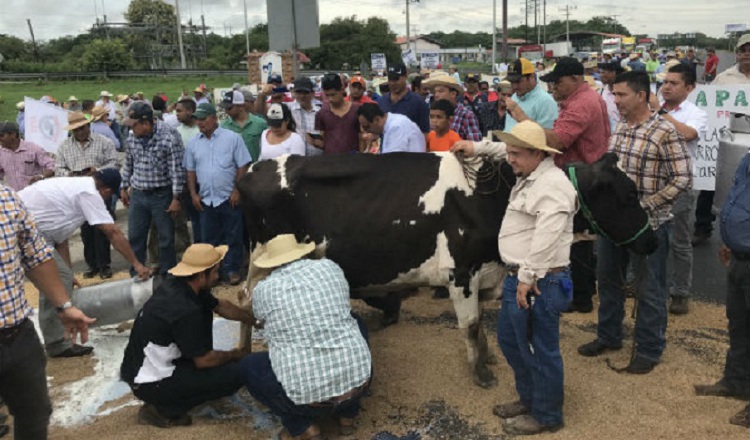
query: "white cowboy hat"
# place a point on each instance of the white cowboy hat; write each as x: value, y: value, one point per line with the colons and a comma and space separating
x: 526, y: 134
x: 282, y: 249
x: 442, y: 78
x: 197, y: 258
x: 105, y: 93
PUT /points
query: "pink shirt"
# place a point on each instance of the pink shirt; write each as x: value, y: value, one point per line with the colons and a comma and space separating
x: 582, y: 126
x: 27, y: 161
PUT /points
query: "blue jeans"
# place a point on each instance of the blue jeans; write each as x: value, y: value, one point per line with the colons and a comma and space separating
x: 223, y: 225
x: 651, y: 290
x: 261, y: 381
x: 145, y: 207
x: 539, y: 375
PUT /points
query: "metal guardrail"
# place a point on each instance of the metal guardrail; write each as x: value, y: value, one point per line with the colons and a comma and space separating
x: 8, y: 76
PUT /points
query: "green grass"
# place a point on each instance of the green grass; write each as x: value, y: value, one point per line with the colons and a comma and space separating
x: 13, y: 92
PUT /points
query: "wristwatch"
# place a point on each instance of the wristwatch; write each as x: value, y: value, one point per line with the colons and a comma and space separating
x: 64, y: 306
x: 663, y: 111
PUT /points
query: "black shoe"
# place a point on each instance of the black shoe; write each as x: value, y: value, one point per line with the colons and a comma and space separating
x: 74, y: 350
x: 595, y: 348
x: 106, y: 273
x: 640, y: 365
x: 150, y: 415
x: 699, y: 238
x: 679, y: 306
x: 91, y: 273
x: 580, y: 308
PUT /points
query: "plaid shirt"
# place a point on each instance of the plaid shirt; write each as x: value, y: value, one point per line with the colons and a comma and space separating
x: 20, y: 165
x: 465, y: 123
x: 316, y: 349
x: 21, y: 247
x: 305, y: 120
x: 156, y: 161
x: 657, y: 159
x: 99, y: 152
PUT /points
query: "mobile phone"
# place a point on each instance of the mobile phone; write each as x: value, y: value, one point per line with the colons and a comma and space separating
x: 316, y: 135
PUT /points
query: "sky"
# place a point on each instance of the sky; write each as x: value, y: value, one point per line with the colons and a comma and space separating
x: 53, y: 19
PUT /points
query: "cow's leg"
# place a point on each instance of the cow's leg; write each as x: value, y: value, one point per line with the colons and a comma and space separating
x: 390, y: 305
x: 468, y: 313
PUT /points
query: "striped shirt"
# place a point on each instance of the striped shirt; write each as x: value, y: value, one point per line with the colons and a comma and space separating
x: 305, y: 120
x: 656, y: 158
x: 314, y: 343
x: 99, y: 152
x: 18, y: 166
x: 155, y: 161
x: 21, y: 247
x: 466, y: 124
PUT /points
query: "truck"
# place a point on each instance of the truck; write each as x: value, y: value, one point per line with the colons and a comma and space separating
x: 536, y: 52
x: 611, y: 45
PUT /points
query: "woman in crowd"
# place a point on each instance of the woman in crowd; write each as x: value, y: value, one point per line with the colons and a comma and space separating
x: 280, y: 138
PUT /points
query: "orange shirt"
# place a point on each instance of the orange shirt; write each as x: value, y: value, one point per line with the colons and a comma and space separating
x: 444, y: 143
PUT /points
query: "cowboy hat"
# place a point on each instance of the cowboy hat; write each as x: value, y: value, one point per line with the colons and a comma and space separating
x: 197, y: 258
x: 105, y: 94
x: 442, y: 78
x: 526, y: 134
x: 76, y: 119
x: 122, y: 98
x: 661, y: 76
x: 72, y: 98
x: 282, y: 249
x: 97, y: 113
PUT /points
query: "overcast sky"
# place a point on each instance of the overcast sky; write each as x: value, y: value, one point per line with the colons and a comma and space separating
x: 52, y: 19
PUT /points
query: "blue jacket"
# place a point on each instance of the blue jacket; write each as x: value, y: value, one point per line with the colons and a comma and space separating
x: 735, y: 215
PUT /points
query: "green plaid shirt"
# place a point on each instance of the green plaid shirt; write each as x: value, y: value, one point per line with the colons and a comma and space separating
x: 315, y: 346
x: 656, y: 158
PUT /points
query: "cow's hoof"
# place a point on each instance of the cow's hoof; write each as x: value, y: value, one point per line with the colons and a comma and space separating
x: 389, y: 319
x: 484, y: 378
x: 491, y: 360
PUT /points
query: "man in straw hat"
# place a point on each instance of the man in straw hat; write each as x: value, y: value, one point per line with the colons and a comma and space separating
x: 73, y: 104
x: 100, y: 125
x: 61, y: 206
x: 308, y: 323
x: 534, y: 242
x: 465, y: 122
x: 170, y: 362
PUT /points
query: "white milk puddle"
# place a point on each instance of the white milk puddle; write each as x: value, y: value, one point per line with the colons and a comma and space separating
x: 86, y: 397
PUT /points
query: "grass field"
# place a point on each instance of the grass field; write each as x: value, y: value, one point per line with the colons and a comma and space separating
x: 13, y: 92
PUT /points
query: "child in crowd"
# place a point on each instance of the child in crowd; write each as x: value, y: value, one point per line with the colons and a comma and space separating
x: 441, y: 138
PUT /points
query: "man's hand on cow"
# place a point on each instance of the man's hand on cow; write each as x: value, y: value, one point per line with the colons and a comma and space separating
x: 143, y: 272
x: 174, y: 208
x: 125, y: 197
x: 234, y: 198
x: 522, y: 290
x: 75, y: 323
x: 197, y: 202
x: 464, y: 147
x: 725, y: 255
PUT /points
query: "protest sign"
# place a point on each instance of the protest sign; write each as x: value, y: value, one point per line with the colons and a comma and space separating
x: 492, y: 80
x: 270, y: 63
x: 45, y: 124
x: 429, y: 60
x: 377, y: 62
x: 719, y: 102
x: 408, y: 57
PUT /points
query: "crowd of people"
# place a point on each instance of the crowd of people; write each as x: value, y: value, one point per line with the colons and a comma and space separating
x: 174, y: 163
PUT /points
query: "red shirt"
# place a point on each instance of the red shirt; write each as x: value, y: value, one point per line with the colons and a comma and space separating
x: 443, y: 143
x: 582, y: 126
x: 711, y: 63
x: 362, y: 100
x: 341, y: 133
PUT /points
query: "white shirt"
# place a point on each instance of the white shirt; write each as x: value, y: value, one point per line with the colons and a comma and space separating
x: 731, y: 76
x: 612, y: 112
x: 305, y: 120
x: 187, y: 132
x: 402, y: 134
x: 110, y: 106
x: 292, y: 145
x: 61, y: 205
x: 695, y: 118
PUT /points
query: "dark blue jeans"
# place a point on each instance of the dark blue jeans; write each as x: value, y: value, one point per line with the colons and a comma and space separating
x: 262, y: 383
x: 651, y: 290
x: 145, y: 207
x: 737, y: 369
x: 223, y: 225
x: 704, y: 216
x: 539, y: 375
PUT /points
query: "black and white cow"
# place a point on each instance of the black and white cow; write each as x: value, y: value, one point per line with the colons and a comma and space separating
x: 406, y: 220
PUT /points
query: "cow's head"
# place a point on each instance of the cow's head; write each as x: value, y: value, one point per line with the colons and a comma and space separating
x: 608, y: 198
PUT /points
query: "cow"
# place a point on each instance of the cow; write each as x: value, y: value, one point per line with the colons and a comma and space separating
x: 405, y: 220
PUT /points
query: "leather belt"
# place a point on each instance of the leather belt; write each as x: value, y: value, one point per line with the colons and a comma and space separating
x: 741, y: 256
x: 154, y: 190
x: 8, y: 335
x: 344, y: 397
x: 513, y: 270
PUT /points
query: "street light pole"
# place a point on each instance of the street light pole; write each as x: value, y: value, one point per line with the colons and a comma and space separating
x: 494, y: 34
x: 247, y: 30
x: 179, y: 34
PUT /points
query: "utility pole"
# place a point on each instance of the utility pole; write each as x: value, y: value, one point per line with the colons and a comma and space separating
x: 505, y: 31
x: 567, y: 21
x: 614, y: 22
x: 33, y: 40
x: 205, y: 40
x: 247, y: 30
x: 536, y: 21
x: 106, y: 27
x: 494, y: 33
x: 295, y: 62
x: 408, y: 27
x: 179, y: 34
x: 544, y: 28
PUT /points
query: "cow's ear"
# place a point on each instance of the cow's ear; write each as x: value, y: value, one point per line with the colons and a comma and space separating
x: 609, y: 160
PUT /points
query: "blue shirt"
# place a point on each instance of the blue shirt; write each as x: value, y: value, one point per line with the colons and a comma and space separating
x: 401, y: 134
x: 735, y: 215
x: 103, y: 129
x: 411, y: 106
x: 155, y: 161
x: 20, y: 119
x: 215, y: 162
x: 538, y: 105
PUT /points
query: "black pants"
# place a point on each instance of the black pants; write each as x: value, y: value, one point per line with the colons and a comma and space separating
x: 189, y: 387
x: 704, y: 218
x: 23, y: 383
x: 96, y: 250
x: 583, y: 272
x: 737, y: 369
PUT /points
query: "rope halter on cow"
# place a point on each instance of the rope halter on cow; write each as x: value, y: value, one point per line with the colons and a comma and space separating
x: 590, y: 217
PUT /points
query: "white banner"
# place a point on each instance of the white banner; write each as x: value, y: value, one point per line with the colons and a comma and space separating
x: 377, y: 61
x: 409, y: 58
x: 719, y: 102
x: 45, y: 124
x: 429, y: 60
x: 730, y: 28
x: 270, y: 63
x: 491, y: 79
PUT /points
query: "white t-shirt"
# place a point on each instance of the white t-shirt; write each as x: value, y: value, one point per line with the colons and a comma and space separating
x: 294, y: 144
x: 695, y: 118
x: 61, y: 205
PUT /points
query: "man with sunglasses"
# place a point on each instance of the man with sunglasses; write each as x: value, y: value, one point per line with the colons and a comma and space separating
x: 247, y: 125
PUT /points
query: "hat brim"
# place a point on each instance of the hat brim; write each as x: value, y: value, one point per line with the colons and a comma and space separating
x: 75, y: 125
x: 550, y: 77
x: 438, y: 81
x: 299, y: 251
x: 185, y: 270
x: 517, y: 142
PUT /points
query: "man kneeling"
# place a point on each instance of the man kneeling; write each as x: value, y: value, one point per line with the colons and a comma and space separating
x: 318, y: 362
x: 170, y: 362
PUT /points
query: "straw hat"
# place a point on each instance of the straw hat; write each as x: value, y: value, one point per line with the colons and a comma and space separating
x: 122, y: 98
x: 75, y: 120
x: 97, y: 113
x: 442, y: 78
x: 282, y: 249
x: 197, y: 258
x: 526, y: 134
x: 72, y: 98
x: 668, y: 65
x: 20, y: 105
x: 105, y: 94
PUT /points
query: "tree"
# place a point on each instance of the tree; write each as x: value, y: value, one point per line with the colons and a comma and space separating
x: 14, y: 48
x: 347, y: 40
x: 106, y: 55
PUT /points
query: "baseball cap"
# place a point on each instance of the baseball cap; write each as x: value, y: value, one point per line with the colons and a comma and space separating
x: 396, y: 70
x: 566, y: 66
x: 671, y: 53
x: 139, y: 111
x: 232, y: 97
x: 275, y: 78
x: 204, y: 110
x: 275, y: 115
x: 8, y: 127
x: 611, y: 66
x: 303, y: 84
x: 248, y: 95
x: 110, y: 178
x: 471, y: 77
x: 331, y: 81
x: 358, y: 80
x: 745, y: 39
x: 519, y: 68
